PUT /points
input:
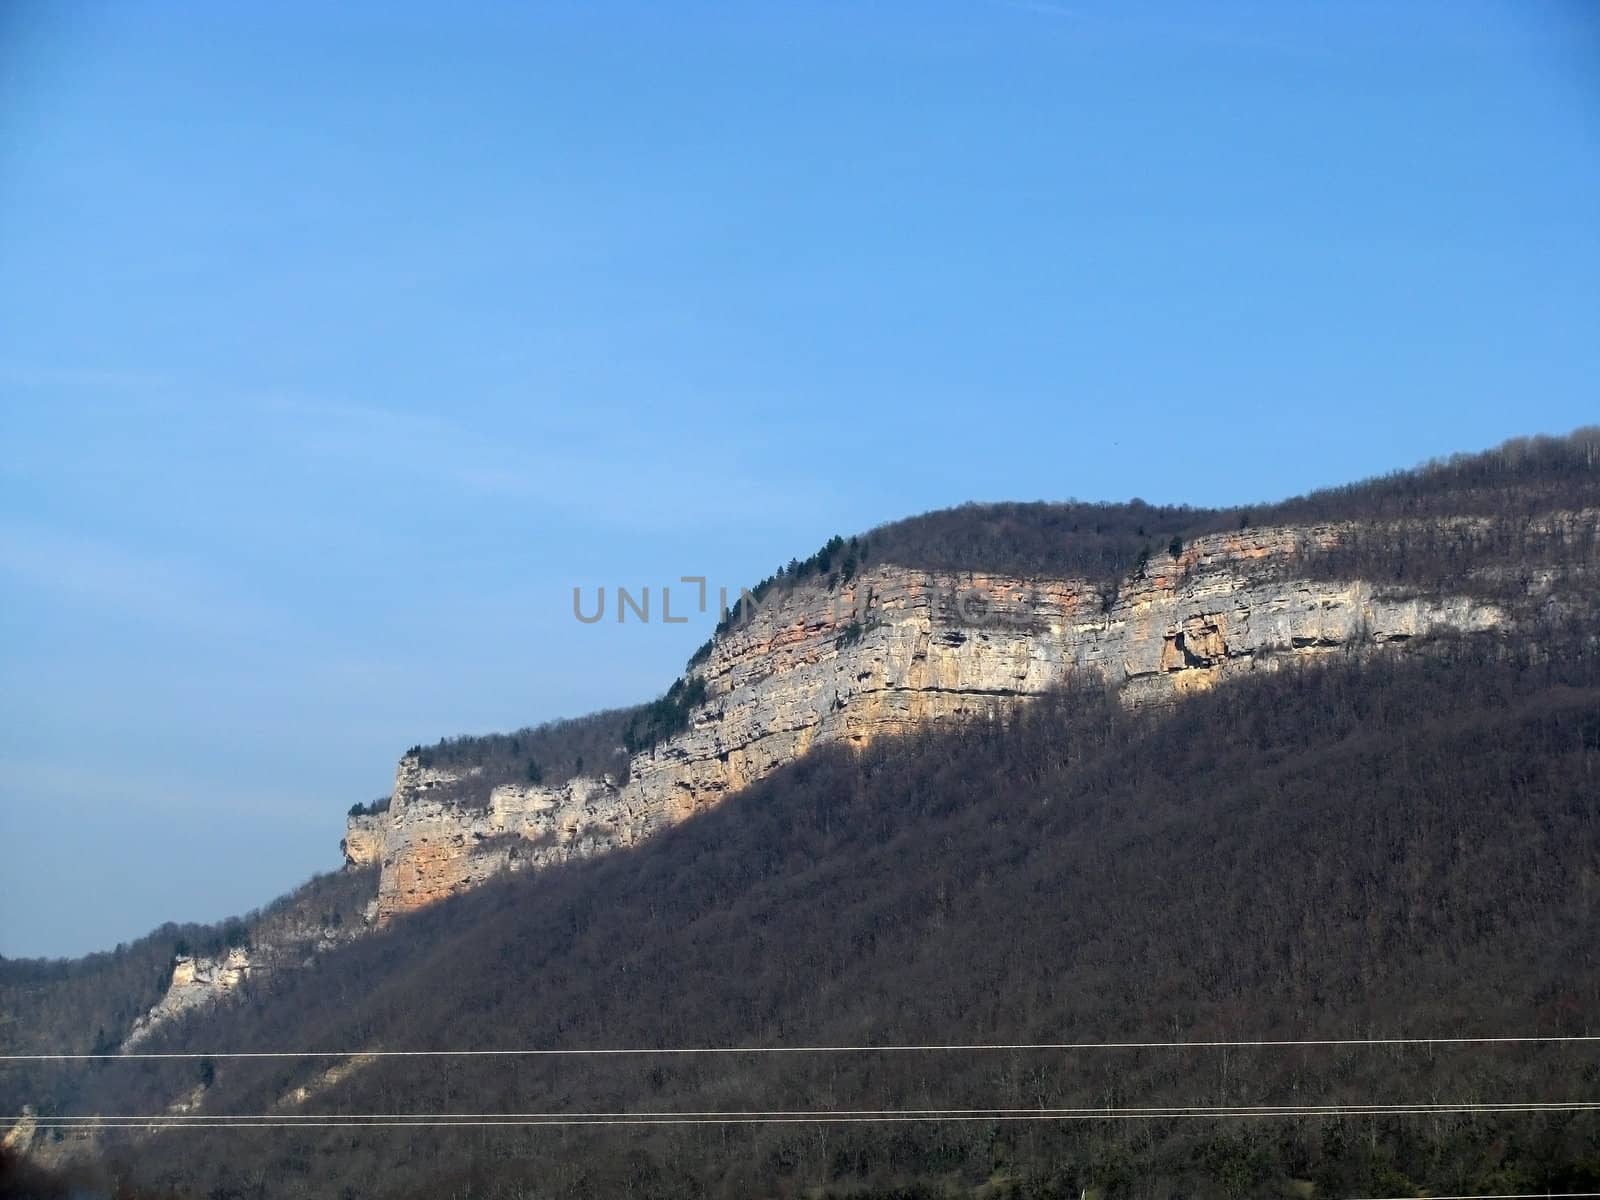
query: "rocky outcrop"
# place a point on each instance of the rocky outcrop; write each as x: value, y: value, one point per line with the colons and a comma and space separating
x: 327, y: 1078
x: 886, y: 652
x: 20, y: 1136
x: 197, y: 981
x: 290, y: 933
x: 363, y: 840
x: 435, y: 847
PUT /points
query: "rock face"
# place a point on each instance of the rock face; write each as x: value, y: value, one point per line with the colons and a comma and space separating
x: 434, y: 848
x: 196, y: 981
x: 886, y: 652
x: 363, y: 840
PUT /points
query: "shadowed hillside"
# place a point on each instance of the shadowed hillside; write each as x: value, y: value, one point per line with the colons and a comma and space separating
x: 1367, y: 847
x: 1387, y: 849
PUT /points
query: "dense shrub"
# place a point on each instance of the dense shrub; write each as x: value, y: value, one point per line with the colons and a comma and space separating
x: 1511, y: 483
x: 548, y: 754
x: 662, y: 718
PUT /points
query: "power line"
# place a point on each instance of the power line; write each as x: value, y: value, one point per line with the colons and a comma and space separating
x: 1159, y: 1109
x: 779, y: 1117
x: 579, y: 1052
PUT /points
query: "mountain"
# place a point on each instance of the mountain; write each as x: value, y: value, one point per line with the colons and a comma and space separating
x: 885, y: 633
x: 1010, y: 773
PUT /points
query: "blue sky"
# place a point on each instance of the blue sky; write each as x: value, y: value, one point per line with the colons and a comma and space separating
x: 338, y: 343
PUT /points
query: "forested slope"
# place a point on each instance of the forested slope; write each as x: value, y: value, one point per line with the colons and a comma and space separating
x: 75, y: 1006
x: 1371, y: 848
x: 1506, y: 487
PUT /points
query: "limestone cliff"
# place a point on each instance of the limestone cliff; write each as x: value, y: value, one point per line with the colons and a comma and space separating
x: 886, y: 652
x: 197, y: 980
x: 363, y: 839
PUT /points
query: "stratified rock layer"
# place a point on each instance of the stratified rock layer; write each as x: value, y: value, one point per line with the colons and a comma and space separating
x: 885, y: 653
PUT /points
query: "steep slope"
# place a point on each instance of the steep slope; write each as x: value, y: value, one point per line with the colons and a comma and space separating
x: 894, y: 648
x: 878, y: 637
x: 975, y: 609
x: 1375, y: 847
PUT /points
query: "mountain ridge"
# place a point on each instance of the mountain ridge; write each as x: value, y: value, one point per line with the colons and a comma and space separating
x: 849, y: 650
x: 1476, y: 524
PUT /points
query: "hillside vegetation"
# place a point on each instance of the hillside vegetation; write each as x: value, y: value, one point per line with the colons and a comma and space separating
x: 548, y: 754
x: 1365, y: 846
x: 88, y: 1005
x: 1512, y: 483
x: 1371, y: 848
